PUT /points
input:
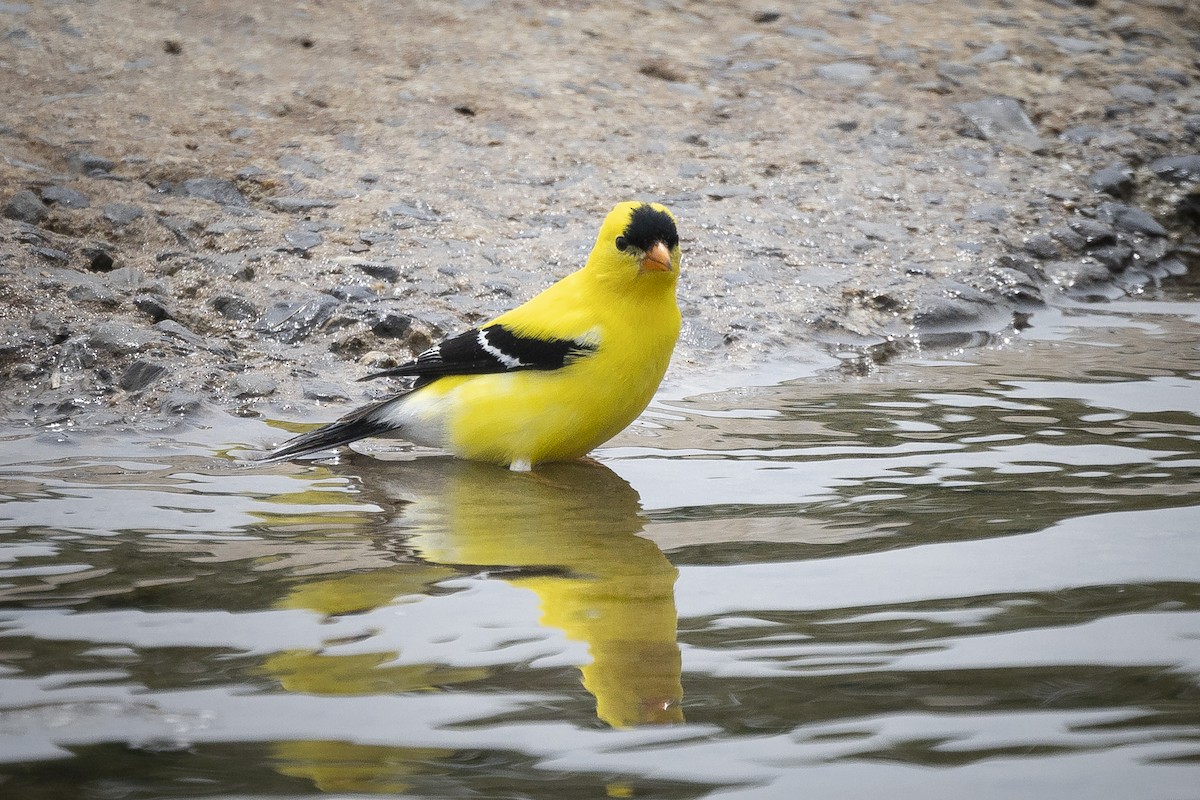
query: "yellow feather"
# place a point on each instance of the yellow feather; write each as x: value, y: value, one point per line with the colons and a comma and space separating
x: 536, y: 416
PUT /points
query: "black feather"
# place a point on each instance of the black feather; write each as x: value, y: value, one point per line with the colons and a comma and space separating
x: 488, y: 350
x: 358, y: 424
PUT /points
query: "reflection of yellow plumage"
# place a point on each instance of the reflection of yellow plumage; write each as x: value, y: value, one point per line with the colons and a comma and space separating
x: 568, y: 533
x: 575, y: 526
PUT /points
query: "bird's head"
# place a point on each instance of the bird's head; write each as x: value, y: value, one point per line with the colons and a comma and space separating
x: 638, y: 241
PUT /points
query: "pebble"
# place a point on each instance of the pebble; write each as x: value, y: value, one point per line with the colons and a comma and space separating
x: 1094, y: 233
x: 253, y: 384
x: 377, y: 269
x: 302, y: 240
x: 215, y: 190
x: 1178, y: 169
x: 325, y: 392
x: 181, y: 404
x: 808, y: 34
x: 1080, y: 134
x: 115, y: 338
x: 1131, y: 219
x: 1133, y: 93
x: 65, y: 196
x: 140, y: 374
x: 299, y: 204
x: 25, y: 206
x: 353, y: 293
x: 1003, y: 119
x: 958, y: 309
x: 1115, y: 180
x: 1042, y: 246
x: 900, y: 54
x: 89, y: 163
x: 1113, y: 256
x: 990, y: 54
x: 121, y: 214
x: 292, y: 321
x: 83, y: 288
x: 124, y: 279
x: 847, y: 73
x: 1068, y: 45
x: 417, y: 210
x: 991, y: 214
x: 302, y: 166
x: 50, y: 254
x: 391, y: 325
x: 153, y: 306
x: 235, y: 307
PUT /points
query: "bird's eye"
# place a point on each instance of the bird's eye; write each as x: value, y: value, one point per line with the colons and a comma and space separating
x: 621, y: 243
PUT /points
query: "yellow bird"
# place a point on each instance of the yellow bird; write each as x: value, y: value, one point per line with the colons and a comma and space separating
x: 551, y: 379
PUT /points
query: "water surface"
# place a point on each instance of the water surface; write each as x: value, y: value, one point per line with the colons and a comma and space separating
x: 973, y: 574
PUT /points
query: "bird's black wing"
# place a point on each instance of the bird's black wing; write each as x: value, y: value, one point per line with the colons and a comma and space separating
x: 491, y: 349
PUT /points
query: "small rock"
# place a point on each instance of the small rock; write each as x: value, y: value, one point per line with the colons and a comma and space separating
x: 89, y: 163
x: 124, y: 279
x: 1042, y: 246
x: 325, y: 392
x: 1133, y: 93
x: 1071, y: 46
x: 65, y: 197
x: 391, y: 325
x: 1113, y: 256
x: 376, y: 269
x: 991, y: 214
x: 1094, y: 233
x: 808, y: 34
x: 115, y: 338
x: 1080, y: 134
x: 1003, y: 119
x: 91, y: 291
x: 25, y: 206
x: 1131, y: 219
x: 990, y: 54
x: 121, y: 214
x: 215, y: 190
x: 1115, y: 180
x: 298, y: 204
x: 417, y: 210
x: 302, y: 166
x: 291, y: 321
x: 302, y: 240
x: 1070, y: 238
x: 899, y: 54
x: 50, y: 254
x: 153, y: 306
x: 847, y: 73
x: 182, y: 404
x: 1178, y: 169
x: 140, y: 374
x: 235, y: 307
x: 353, y: 293
x: 253, y: 384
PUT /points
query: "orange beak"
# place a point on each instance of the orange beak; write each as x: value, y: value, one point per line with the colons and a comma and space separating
x: 657, y: 259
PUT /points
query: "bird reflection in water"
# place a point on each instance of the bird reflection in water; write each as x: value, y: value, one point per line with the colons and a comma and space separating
x: 567, y: 532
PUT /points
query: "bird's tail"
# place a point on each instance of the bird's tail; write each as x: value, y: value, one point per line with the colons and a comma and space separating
x: 370, y: 420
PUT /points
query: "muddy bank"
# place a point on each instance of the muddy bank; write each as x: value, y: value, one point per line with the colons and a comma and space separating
x: 208, y: 206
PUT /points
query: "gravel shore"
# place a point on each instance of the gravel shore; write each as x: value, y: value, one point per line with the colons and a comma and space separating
x: 248, y: 207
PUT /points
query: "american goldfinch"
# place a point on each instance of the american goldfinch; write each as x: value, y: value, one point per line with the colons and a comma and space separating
x: 551, y: 379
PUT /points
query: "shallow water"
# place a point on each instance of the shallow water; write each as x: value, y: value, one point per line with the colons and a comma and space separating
x: 976, y: 574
